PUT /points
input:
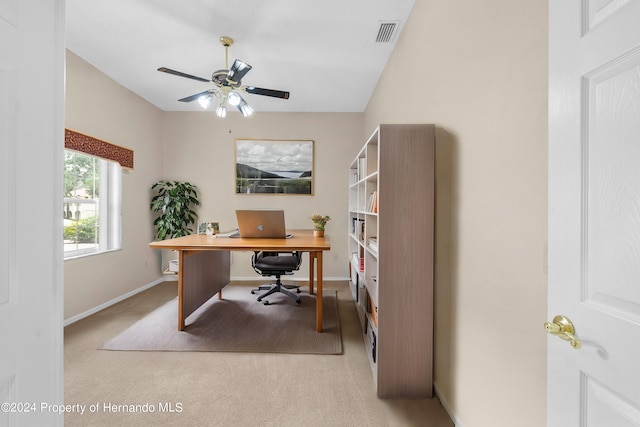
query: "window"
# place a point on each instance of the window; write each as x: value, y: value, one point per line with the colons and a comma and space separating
x: 92, y: 205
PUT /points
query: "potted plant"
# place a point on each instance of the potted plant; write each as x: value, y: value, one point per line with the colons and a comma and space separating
x: 173, y: 201
x: 319, y: 222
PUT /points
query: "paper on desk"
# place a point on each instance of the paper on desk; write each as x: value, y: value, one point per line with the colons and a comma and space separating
x: 232, y: 233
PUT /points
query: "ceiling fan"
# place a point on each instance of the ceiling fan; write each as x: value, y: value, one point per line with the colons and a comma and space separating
x: 226, y: 85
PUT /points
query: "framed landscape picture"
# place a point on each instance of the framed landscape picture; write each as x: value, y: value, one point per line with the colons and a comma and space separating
x: 266, y: 166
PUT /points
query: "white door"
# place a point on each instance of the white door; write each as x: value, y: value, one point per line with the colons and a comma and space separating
x: 31, y: 141
x: 594, y: 211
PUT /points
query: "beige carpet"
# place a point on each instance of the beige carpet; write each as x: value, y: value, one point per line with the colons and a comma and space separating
x: 225, y: 389
x: 238, y: 323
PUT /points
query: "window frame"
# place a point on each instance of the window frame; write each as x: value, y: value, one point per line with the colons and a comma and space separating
x: 109, y: 208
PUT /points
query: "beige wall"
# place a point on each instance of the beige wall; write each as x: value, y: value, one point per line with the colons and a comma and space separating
x: 478, y: 70
x: 200, y: 148
x: 97, y: 106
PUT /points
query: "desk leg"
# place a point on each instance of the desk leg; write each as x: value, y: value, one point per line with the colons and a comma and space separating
x: 180, y: 290
x: 319, y: 293
x: 312, y: 257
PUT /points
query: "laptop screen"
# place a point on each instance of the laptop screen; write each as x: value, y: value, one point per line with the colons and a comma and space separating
x: 266, y: 224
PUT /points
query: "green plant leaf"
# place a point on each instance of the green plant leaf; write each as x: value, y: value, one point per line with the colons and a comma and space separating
x: 172, y: 201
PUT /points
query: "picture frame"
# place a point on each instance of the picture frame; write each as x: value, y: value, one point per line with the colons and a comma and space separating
x: 208, y: 228
x: 270, y: 166
x: 202, y: 227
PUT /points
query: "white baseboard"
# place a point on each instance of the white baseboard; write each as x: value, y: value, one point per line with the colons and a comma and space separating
x: 447, y: 408
x: 113, y: 301
x: 174, y: 277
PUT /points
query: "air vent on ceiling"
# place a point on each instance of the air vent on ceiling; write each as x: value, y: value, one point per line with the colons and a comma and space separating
x: 386, y: 31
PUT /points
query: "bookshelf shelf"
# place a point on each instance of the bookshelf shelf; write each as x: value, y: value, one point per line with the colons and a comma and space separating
x: 391, y: 214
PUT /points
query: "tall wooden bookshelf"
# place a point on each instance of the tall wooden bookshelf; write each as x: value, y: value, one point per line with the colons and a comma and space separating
x: 391, y: 242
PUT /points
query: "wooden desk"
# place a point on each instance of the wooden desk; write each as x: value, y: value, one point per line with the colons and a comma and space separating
x: 205, y: 265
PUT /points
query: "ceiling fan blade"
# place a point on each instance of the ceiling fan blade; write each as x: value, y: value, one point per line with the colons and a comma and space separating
x: 194, y: 97
x: 237, y: 71
x: 180, y: 74
x: 267, y: 92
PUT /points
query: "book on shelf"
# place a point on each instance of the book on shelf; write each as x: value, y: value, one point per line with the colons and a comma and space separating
x: 375, y: 203
x: 373, y: 243
x: 373, y: 310
x: 358, y: 261
x: 374, y: 343
x: 355, y: 228
x: 372, y: 202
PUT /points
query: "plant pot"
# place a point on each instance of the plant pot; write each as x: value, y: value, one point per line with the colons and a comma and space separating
x: 318, y: 233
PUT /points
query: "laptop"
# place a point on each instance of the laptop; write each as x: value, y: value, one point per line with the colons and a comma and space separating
x: 266, y: 224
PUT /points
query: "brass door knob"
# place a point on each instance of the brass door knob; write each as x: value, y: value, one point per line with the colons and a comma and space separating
x: 563, y: 328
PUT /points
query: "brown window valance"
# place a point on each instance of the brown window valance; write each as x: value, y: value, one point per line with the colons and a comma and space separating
x: 96, y: 147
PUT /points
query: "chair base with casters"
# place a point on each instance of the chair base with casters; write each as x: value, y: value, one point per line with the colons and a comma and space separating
x: 276, y: 264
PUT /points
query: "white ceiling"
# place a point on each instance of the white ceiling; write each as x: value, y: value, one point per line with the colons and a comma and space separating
x: 324, y: 52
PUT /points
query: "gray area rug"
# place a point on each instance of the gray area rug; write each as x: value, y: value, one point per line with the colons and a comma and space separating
x: 239, y: 323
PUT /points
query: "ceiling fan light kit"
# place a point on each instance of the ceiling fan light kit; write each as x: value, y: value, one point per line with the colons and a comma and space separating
x: 204, y: 101
x: 226, y: 85
x: 221, y: 111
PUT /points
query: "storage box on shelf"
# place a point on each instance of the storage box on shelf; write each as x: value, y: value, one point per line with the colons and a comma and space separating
x: 391, y: 214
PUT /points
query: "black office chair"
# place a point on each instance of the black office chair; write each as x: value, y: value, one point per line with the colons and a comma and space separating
x: 276, y: 264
